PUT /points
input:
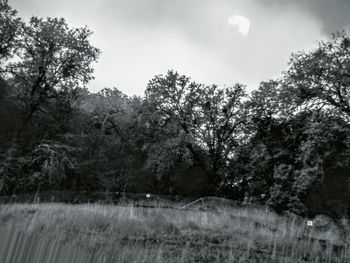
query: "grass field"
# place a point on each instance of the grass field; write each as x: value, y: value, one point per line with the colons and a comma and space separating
x: 139, y: 234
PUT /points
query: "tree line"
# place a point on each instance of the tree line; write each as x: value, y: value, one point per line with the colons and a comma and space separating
x: 285, y: 144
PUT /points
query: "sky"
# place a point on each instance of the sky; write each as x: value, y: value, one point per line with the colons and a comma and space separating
x: 219, y: 42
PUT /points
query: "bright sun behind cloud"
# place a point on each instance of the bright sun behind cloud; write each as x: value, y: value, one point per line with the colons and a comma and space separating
x: 241, y: 23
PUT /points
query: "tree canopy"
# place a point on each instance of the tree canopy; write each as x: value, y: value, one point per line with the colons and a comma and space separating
x: 285, y: 144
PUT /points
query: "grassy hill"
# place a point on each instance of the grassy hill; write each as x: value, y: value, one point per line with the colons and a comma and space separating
x: 163, y: 234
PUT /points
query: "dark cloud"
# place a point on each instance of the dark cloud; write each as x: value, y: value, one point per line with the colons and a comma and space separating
x: 332, y: 14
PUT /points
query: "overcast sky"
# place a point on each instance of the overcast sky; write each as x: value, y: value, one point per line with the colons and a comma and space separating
x: 198, y: 38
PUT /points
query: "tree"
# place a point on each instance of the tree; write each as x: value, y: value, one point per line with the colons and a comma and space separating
x: 44, y: 66
x: 297, y: 163
x: 10, y: 27
x: 201, y: 124
x: 52, y: 60
x: 112, y: 147
x: 320, y: 79
x: 51, y: 164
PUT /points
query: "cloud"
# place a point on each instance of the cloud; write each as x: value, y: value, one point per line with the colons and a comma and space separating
x: 333, y: 15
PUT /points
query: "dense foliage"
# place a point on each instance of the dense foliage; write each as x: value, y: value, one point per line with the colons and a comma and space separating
x: 286, y: 144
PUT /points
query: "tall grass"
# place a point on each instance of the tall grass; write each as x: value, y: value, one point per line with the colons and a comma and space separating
x: 137, y: 234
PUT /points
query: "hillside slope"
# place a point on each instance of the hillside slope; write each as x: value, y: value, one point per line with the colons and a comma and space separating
x: 138, y: 234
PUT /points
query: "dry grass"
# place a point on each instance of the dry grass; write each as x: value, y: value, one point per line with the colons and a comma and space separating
x: 136, y: 234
